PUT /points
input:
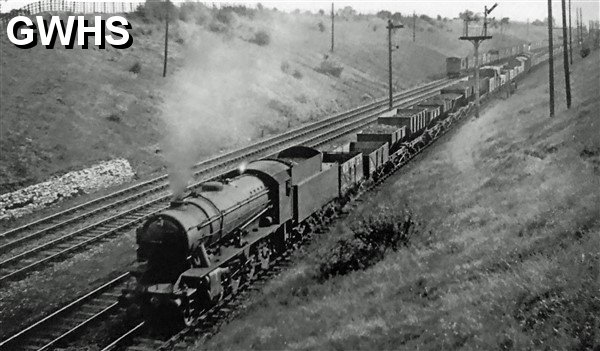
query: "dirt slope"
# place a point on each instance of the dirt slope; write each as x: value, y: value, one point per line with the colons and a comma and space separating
x: 67, y: 109
x: 508, y: 253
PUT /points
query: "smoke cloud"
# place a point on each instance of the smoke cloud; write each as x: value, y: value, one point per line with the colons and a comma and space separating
x: 210, y: 104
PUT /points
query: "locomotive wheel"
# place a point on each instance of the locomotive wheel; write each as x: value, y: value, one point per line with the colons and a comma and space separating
x: 265, y: 258
x: 188, y: 315
x: 250, y: 269
x: 234, y: 284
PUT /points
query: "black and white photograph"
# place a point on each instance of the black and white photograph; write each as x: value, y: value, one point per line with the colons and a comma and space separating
x: 185, y: 175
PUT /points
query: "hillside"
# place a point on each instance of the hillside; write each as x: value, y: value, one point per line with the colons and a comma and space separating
x: 68, y: 109
x: 506, y: 256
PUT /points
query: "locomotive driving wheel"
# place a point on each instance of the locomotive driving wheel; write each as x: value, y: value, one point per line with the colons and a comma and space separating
x: 189, y: 315
x: 250, y: 268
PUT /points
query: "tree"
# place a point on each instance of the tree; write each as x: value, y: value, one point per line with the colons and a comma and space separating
x: 347, y: 12
x: 537, y: 22
x: 504, y: 22
x: 439, y: 17
x: 492, y: 22
x: 469, y: 16
x: 397, y: 17
x: 384, y: 14
x: 321, y: 12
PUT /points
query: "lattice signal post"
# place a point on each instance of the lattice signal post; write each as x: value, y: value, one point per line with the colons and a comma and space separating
x: 476, y: 40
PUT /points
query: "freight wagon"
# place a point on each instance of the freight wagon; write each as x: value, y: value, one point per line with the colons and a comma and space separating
x: 374, y: 153
x: 415, y: 120
x: 380, y: 132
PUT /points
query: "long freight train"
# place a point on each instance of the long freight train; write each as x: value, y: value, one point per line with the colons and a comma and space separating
x: 214, y: 239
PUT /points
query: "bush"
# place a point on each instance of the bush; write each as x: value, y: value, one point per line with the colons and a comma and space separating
x: 136, y: 68
x: 302, y: 98
x: 225, y: 16
x: 282, y: 108
x: 331, y: 68
x: 217, y: 27
x: 369, y: 244
x: 114, y: 117
x: 153, y: 9
x: 297, y: 74
x: 261, y: 38
x: 321, y: 27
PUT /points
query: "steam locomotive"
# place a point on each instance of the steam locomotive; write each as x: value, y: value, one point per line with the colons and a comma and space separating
x: 214, y: 239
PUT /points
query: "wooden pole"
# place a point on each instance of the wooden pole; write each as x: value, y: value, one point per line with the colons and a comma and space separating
x: 389, y: 28
x: 566, y: 54
x: 476, y: 45
x: 332, y: 26
x: 414, y: 26
x: 550, y: 59
x: 166, y: 37
x: 570, y: 35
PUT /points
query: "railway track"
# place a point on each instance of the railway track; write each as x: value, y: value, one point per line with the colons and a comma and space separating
x: 49, y: 332
x: 33, y: 248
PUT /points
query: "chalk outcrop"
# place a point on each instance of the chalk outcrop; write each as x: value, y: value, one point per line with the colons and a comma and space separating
x: 85, y: 181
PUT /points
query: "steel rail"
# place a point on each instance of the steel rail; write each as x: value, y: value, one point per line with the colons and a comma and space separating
x: 235, y: 153
x: 50, y: 251
x: 64, y: 322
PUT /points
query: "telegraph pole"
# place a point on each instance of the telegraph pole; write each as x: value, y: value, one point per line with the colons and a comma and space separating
x: 570, y: 35
x: 414, y: 25
x: 390, y: 27
x: 166, y: 37
x: 332, y: 26
x: 550, y: 59
x: 581, y: 23
x: 476, y: 40
x: 566, y: 54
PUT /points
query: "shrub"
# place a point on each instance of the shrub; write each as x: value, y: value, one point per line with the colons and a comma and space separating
x: 136, y: 68
x: 114, y: 117
x: 281, y: 108
x: 369, y: 244
x: 297, y: 74
x: 331, y: 68
x: 321, y: 27
x: 153, y: 9
x: 217, y: 27
x: 261, y: 38
x: 302, y: 98
x: 225, y: 16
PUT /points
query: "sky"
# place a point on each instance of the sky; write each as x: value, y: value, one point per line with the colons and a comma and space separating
x: 514, y: 9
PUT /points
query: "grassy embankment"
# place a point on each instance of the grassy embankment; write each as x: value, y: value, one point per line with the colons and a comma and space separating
x: 507, y: 256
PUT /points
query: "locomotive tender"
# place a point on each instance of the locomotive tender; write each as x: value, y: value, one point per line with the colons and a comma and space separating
x: 212, y: 240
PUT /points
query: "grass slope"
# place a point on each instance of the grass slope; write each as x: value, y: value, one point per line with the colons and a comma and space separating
x: 508, y: 254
